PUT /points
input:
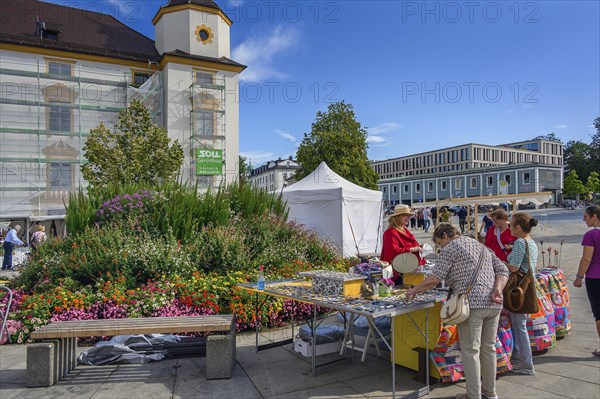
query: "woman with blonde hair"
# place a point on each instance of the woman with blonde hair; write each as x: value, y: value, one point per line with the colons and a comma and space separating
x: 38, y: 237
x: 398, y: 239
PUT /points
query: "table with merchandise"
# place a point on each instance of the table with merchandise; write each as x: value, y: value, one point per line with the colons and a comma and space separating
x: 340, y: 292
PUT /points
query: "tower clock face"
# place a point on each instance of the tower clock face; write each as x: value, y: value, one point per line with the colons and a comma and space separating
x: 204, y: 34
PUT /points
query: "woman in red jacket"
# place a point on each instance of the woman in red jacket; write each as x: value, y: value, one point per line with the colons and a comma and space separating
x: 398, y: 239
x: 499, y: 238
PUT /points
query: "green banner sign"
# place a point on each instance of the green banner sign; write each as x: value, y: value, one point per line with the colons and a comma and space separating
x: 209, y: 162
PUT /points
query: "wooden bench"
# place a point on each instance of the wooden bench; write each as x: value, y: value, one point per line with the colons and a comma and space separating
x: 56, y: 355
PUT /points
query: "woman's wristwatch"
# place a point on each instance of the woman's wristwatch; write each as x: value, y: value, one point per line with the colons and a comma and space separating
x: 579, y: 276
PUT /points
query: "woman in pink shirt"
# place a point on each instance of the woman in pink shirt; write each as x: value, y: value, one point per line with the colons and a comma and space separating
x: 589, y: 265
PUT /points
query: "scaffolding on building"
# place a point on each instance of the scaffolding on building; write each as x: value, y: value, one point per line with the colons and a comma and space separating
x: 46, y: 119
x: 207, y: 132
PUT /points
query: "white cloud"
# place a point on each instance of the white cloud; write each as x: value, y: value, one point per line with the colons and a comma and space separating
x: 258, y: 158
x: 560, y: 126
x: 376, y: 139
x: 286, y: 136
x: 259, y: 54
x: 376, y: 134
x: 384, y: 127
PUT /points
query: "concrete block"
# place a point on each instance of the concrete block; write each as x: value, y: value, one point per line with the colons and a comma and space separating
x: 41, y: 364
x: 220, y: 356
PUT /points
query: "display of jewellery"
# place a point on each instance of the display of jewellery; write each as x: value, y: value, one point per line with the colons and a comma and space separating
x: 397, y: 301
x: 331, y: 275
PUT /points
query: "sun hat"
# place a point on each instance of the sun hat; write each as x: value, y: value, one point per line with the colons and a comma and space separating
x: 401, y: 209
x: 18, y: 227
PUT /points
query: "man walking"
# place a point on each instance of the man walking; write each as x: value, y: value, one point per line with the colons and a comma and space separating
x: 10, y: 241
x: 426, y: 219
x: 462, y: 219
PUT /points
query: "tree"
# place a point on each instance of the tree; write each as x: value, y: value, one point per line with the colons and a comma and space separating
x: 595, y: 147
x: 135, y: 151
x: 337, y: 138
x: 244, y: 169
x: 572, y: 184
x: 577, y: 158
x: 593, y: 184
x: 550, y: 136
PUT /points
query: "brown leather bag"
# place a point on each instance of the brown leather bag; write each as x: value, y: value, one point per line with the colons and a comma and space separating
x: 520, y: 293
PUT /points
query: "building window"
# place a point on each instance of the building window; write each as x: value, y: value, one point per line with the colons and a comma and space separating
x: 457, y: 184
x: 526, y: 178
x: 139, y: 78
x: 443, y: 185
x: 205, y: 77
x: 405, y: 189
x: 59, y: 68
x: 507, y: 179
x: 205, y: 123
x: 490, y: 181
x: 394, y: 189
x: 418, y: 187
x: 473, y: 182
x: 60, y: 176
x: 60, y: 118
x: 430, y: 187
x: 383, y: 189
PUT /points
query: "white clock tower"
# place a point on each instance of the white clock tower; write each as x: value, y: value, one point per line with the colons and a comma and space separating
x: 192, y: 38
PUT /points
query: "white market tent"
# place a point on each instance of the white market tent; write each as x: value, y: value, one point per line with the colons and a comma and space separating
x: 341, y: 212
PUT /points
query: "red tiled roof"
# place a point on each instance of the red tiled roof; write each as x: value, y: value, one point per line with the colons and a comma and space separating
x: 80, y: 31
x: 85, y: 32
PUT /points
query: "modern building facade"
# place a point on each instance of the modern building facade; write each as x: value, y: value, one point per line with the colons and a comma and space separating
x: 473, y: 170
x: 274, y: 175
x: 63, y: 71
x: 471, y: 156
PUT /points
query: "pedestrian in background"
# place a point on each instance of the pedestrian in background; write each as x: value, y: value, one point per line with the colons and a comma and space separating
x: 589, y: 264
x: 462, y: 219
x: 458, y: 260
x: 10, y: 242
x: 38, y: 237
x: 426, y: 219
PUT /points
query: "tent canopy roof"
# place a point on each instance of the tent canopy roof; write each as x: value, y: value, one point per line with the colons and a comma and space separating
x: 327, y: 184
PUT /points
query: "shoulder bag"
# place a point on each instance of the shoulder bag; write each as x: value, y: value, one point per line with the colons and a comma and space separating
x: 456, y: 308
x: 519, y: 293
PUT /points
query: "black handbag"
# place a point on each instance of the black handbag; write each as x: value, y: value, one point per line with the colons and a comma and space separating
x: 520, y: 294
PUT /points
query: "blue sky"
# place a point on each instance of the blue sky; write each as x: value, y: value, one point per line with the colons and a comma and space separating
x: 420, y: 75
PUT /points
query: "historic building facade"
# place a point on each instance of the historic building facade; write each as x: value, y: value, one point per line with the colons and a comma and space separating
x: 274, y: 175
x: 63, y: 71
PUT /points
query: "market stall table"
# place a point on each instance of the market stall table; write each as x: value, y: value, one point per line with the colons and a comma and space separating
x: 393, y: 306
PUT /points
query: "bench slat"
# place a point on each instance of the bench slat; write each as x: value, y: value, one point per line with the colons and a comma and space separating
x: 141, y: 325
